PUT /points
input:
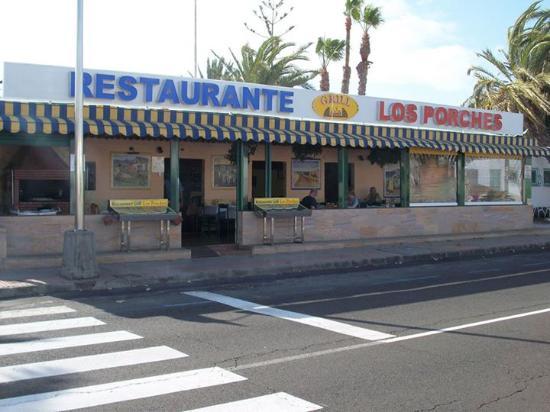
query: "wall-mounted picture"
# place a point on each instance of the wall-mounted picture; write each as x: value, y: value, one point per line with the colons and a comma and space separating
x: 391, y: 181
x: 224, y: 173
x: 306, y: 174
x: 130, y: 171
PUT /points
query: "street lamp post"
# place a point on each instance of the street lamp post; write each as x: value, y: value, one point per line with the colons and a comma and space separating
x: 79, y: 260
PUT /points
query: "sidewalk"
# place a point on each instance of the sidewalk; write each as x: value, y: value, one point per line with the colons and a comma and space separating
x: 289, y: 260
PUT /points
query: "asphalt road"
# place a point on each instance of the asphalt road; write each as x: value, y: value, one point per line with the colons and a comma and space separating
x: 446, y: 336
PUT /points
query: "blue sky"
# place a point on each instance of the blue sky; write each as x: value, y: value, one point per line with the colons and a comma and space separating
x: 421, y: 52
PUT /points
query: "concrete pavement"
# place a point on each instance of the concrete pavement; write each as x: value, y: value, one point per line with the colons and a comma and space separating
x: 289, y: 260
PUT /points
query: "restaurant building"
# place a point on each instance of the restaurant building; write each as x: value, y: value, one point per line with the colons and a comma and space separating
x: 212, y: 147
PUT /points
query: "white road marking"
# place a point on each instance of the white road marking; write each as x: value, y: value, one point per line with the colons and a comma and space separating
x: 22, y: 313
x: 385, y: 341
x: 326, y: 324
x: 65, y: 342
x: 88, y: 396
x: 419, y: 288
x: 275, y: 402
x: 32, y: 327
x: 87, y: 363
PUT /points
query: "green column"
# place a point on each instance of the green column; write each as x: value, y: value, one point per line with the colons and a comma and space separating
x: 342, y: 177
x: 460, y: 179
x: 242, y: 175
x: 527, y: 180
x: 404, y: 178
x: 268, y: 180
x: 175, y: 174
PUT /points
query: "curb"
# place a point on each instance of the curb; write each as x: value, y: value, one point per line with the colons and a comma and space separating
x: 234, y: 276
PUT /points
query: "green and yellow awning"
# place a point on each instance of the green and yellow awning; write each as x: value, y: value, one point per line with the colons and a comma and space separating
x: 109, y: 121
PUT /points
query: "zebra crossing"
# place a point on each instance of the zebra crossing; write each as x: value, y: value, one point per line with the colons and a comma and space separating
x: 107, y: 393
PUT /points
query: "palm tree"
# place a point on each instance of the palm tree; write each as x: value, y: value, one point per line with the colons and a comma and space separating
x: 351, y: 10
x: 369, y: 17
x: 520, y: 80
x: 217, y: 69
x: 270, y: 65
x: 329, y: 50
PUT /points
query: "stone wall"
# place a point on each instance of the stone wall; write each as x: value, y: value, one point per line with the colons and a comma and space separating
x: 43, y: 235
x: 347, y: 224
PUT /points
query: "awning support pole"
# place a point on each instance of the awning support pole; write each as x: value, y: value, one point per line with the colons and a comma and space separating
x: 343, y: 171
x: 268, y: 177
x: 175, y: 175
x: 404, y: 177
x: 526, y: 171
x: 242, y: 187
x: 461, y: 179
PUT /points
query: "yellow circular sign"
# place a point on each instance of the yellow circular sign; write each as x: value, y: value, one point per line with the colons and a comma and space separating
x: 335, y: 106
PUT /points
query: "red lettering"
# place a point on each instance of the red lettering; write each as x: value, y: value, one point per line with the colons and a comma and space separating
x: 428, y: 113
x: 497, y: 122
x: 487, y: 124
x: 453, y: 117
x: 441, y: 116
x: 476, y: 120
x: 410, y: 113
x: 381, y: 115
x: 462, y: 118
x: 397, y: 112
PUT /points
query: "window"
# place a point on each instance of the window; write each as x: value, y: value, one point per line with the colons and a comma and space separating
x: 433, y: 179
x: 546, y: 177
x: 536, y: 177
x: 494, y: 179
x: 89, y: 176
x: 499, y: 180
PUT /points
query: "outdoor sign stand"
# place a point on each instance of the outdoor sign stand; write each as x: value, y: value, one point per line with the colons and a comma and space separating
x: 79, y: 260
x: 271, y: 208
x: 127, y: 211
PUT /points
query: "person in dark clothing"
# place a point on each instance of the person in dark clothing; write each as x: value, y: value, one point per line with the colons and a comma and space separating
x: 309, y: 201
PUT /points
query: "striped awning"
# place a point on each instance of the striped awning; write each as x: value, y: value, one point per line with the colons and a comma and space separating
x: 111, y: 121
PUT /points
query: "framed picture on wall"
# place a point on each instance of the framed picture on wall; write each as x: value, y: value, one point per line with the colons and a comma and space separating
x: 306, y: 174
x: 392, y: 180
x: 224, y: 173
x: 130, y: 171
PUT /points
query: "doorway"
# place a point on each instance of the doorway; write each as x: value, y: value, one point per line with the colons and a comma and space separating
x: 331, y: 181
x: 278, y: 179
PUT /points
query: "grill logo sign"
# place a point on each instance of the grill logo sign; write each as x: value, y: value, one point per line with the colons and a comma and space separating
x: 335, y: 106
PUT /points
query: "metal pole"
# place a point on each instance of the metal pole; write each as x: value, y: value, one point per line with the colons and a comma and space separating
x: 78, y: 124
x: 195, y: 68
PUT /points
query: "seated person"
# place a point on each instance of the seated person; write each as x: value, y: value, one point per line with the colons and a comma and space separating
x: 353, y: 202
x: 373, y: 198
x: 309, y: 201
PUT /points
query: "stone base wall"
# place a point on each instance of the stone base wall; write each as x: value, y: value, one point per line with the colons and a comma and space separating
x: 348, y: 224
x: 43, y: 235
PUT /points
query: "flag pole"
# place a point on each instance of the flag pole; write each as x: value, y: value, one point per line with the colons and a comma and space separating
x: 78, y: 125
x: 195, y: 51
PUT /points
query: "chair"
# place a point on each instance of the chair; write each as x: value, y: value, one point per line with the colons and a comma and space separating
x: 209, y: 219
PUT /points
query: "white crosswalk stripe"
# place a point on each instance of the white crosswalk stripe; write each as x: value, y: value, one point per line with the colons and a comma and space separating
x: 65, y: 342
x: 276, y: 402
x: 112, y: 392
x: 322, y: 323
x: 108, y: 393
x: 48, y: 325
x: 87, y: 363
x: 23, y: 313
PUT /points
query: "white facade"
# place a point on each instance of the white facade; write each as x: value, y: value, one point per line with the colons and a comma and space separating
x: 540, y: 187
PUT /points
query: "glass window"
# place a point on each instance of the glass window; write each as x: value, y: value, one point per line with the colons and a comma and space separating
x: 433, y: 179
x: 495, y: 181
x: 536, y: 177
x: 546, y: 177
